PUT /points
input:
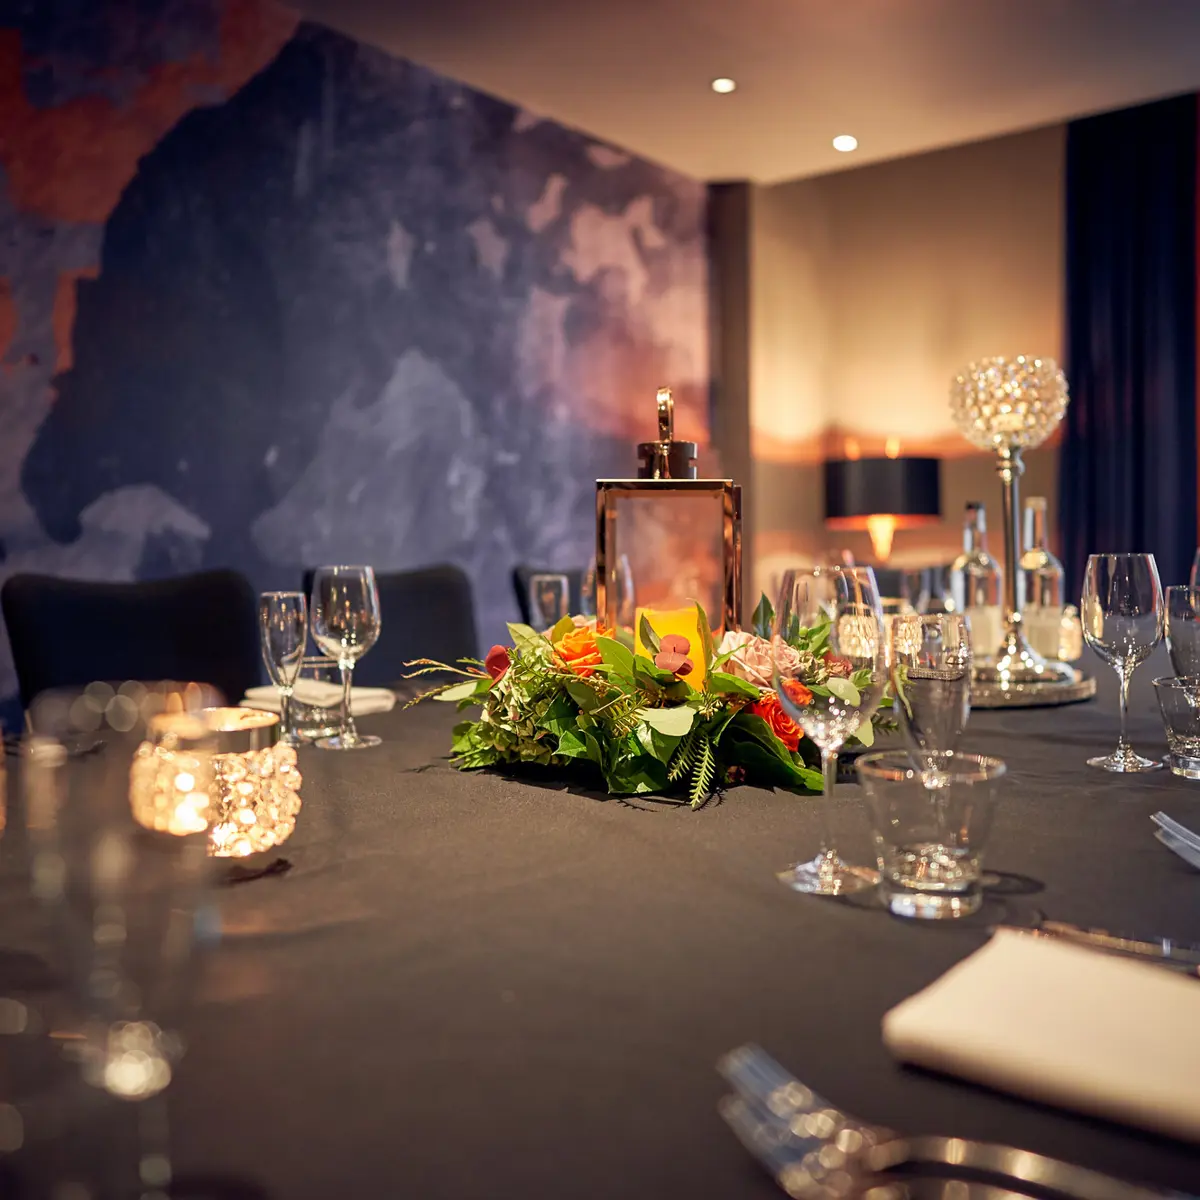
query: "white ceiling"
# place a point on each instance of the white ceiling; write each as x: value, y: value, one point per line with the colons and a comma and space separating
x: 903, y: 76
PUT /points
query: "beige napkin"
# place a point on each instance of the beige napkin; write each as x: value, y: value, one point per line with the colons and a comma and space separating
x: 363, y: 700
x: 1063, y: 1025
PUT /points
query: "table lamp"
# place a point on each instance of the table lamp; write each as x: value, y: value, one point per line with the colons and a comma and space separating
x: 882, y: 495
x: 1007, y: 406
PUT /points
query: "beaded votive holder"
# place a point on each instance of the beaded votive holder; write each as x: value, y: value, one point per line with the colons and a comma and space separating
x: 220, y: 769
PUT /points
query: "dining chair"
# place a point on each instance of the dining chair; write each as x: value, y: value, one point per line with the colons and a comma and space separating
x: 425, y: 613
x: 72, y: 632
x: 523, y: 573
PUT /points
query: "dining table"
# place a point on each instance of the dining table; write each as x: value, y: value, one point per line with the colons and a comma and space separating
x: 466, y: 985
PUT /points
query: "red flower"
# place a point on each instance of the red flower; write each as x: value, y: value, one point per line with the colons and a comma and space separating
x: 782, y: 726
x: 672, y: 655
x: 797, y: 693
x: 842, y: 668
x: 497, y: 662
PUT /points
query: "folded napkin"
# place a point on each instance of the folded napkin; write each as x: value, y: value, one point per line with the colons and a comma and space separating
x: 1063, y: 1025
x: 363, y: 700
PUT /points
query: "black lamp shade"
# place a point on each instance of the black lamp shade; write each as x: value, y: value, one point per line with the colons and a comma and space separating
x: 902, y: 487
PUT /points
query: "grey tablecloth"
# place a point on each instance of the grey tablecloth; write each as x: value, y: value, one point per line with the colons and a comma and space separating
x: 469, y: 987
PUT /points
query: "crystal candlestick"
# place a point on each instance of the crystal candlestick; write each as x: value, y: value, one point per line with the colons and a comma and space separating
x: 1007, y: 406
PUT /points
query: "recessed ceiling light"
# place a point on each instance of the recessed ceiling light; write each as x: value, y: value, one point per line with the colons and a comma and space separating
x: 723, y: 86
x: 845, y: 142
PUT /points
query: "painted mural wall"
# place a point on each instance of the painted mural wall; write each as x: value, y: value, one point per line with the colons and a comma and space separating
x: 271, y: 298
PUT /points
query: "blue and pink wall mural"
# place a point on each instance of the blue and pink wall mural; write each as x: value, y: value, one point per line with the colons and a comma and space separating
x: 270, y: 297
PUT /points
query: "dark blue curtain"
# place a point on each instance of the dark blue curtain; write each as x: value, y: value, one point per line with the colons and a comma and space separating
x: 1128, y: 466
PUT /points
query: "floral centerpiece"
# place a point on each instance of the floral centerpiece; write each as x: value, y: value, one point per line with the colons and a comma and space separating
x: 576, y: 699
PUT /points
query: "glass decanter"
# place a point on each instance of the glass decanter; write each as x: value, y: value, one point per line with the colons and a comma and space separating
x: 977, y: 585
x: 1040, y: 584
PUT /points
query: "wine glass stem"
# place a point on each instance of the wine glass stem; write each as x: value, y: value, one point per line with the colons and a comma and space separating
x: 349, y: 733
x: 1124, y: 673
x: 285, y: 713
x: 829, y: 858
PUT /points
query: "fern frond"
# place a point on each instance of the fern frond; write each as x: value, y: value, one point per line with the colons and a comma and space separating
x: 683, y: 758
x: 704, y: 770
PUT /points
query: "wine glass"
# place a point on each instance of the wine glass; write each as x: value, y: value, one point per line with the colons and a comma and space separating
x: 345, y: 625
x: 1194, y: 577
x: 1183, y: 629
x: 931, y: 681
x: 830, y: 658
x: 1122, y: 609
x: 283, y: 626
x: 549, y: 600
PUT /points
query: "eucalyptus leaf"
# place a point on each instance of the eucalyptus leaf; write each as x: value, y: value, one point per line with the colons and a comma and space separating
x: 614, y: 655
x: 730, y: 685
x: 460, y: 691
x: 866, y: 733
x: 763, y: 618
x: 648, y: 637
x: 844, y: 690
x: 706, y: 637
x: 582, y: 694
x: 563, y: 626
x: 525, y: 637
x: 674, y: 722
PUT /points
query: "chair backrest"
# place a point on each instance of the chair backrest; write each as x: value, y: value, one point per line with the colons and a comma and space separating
x: 72, y: 632
x: 523, y: 573
x: 426, y: 613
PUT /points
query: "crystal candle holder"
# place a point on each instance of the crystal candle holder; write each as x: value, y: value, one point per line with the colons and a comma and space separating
x: 1007, y: 406
x: 222, y: 769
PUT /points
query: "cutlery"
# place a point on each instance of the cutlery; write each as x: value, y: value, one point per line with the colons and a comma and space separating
x: 817, y: 1152
x: 761, y: 1136
x: 1183, y: 849
x: 1176, y: 830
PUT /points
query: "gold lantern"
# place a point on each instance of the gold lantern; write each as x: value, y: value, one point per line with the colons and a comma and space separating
x: 223, y: 769
x: 674, y: 538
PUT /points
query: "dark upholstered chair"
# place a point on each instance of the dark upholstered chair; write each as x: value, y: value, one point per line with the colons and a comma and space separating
x: 72, y: 632
x: 427, y: 613
x: 522, y: 574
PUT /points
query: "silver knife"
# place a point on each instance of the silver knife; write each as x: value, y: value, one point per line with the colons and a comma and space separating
x: 1182, y: 956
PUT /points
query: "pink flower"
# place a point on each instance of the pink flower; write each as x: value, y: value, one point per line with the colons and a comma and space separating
x: 755, y: 657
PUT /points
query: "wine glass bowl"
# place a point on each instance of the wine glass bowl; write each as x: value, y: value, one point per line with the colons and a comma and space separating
x: 283, y: 627
x: 930, y: 666
x: 1122, y: 609
x: 345, y: 625
x: 830, y: 671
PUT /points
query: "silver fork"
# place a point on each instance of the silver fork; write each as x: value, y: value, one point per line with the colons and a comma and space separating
x: 818, y: 1152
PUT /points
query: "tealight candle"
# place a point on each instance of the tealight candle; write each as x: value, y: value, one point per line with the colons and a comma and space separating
x: 683, y: 622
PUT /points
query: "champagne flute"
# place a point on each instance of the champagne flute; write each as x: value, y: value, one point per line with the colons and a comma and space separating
x: 931, y: 680
x: 1194, y: 577
x: 830, y: 683
x: 1122, y: 609
x: 283, y: 626
x: 345, y: 625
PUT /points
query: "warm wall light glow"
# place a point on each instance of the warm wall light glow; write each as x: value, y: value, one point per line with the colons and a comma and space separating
x: 724, y: 86
x: 845, y: 142
x: 892, y: 447
x: 852, y: 450
x: 882, y: 528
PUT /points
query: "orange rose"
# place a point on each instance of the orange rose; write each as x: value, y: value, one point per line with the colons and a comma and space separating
x: 797, y: 693
x: 782, y: 726
x: 579, y: 651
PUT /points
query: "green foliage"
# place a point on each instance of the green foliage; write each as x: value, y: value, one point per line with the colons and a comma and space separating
x: 647, y: 635
x: 763, y: 619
